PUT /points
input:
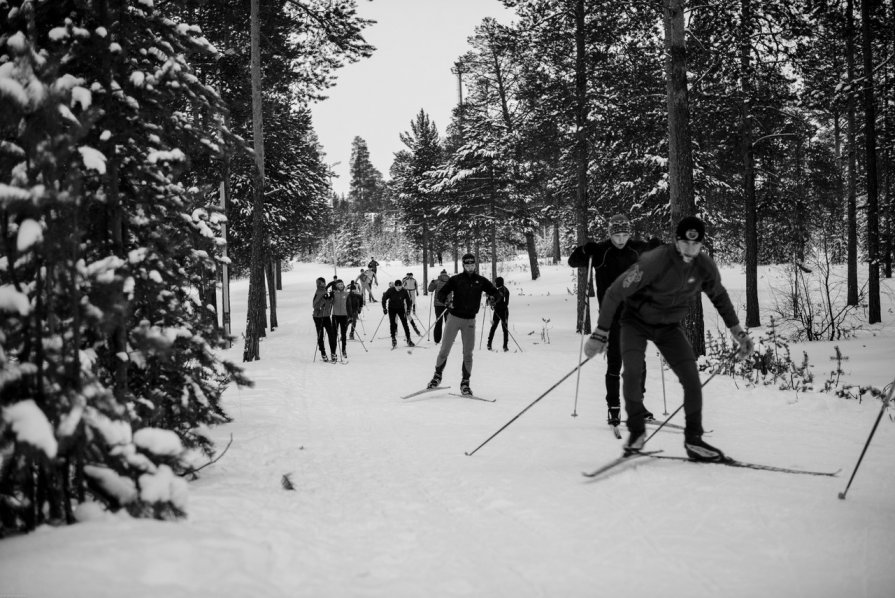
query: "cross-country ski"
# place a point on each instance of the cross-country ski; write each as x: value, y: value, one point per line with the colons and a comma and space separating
x: 625, y: 458
x: 474, y: 397
x: 424, y: 391
x: 730, y: 462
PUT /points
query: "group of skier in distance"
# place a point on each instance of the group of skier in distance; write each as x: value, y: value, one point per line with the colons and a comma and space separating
x: 643, y: 291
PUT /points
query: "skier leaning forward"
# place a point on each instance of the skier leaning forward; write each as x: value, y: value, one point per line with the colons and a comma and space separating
x: 656, y: 293
x: 467, y: 288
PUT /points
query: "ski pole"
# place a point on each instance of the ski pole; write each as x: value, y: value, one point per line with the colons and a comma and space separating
x: 444, y: 313
x: 668, y: 419
x: 431, y: 301
x: 590, y: 259
x: 482, y: 333
x: 530, y: 405
x: 361, y: 341
x: 514, y: 339
x: 662, y: 369
x: 869, y: 438
x: 373, y: 338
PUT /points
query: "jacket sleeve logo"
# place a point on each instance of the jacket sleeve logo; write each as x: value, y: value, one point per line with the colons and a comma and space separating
x: 633, y: 276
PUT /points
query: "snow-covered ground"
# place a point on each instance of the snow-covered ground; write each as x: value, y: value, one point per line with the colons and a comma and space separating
x: 387, y: 504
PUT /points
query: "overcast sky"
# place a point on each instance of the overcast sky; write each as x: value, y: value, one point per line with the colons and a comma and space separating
x: 417, y: 43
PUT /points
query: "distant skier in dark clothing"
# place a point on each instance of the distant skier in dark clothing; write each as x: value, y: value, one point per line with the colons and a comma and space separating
x: 396, y: 303
x: 609, y: 258
x: 323, y: 306
x: 439, y: 305
x: 655, y: 294
x: 340, y: 314
x: 373, y: 266
x: 467, y: 288
x: 501, y: 306
x: 354, y: 305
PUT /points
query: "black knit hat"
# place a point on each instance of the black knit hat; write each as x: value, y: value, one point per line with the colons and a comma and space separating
x: 690, y: 228
x: 468, y: 259
x: 398, y: 283
x: 499, y: 281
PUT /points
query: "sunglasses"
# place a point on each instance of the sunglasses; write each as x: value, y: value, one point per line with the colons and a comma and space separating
x: 468, y: 263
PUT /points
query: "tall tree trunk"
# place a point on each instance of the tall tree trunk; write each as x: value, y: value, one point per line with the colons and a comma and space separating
x: 680, y: 152
x: 873, y: 299
x: 426, y: 257
x: 556, y: 247
x: 852, y: 133
x: 522, y: 210
x: 753, y: 317
x: 889, y: 211
x: 272, y: 292
x: 278, y: 262
x: 255, y: 314
x: 581, y: 160
x: 840, y: 183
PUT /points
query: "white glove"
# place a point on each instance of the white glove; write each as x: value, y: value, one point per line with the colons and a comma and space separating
x: 747, y: 347
x: 596, y: 343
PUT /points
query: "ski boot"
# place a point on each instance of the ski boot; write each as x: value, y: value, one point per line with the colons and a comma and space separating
x: 434, y: 382
x: 699, y: 450
x: 614, y: 417
x: 464, y: 388
x: 394, y: 342
x: 635, y: 443
x: 410, y: 343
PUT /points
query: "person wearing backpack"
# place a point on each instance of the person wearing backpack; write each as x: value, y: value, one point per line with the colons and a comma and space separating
x: 439, y: 306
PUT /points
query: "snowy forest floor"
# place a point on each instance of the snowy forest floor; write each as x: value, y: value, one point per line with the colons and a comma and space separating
x: 386, y: 503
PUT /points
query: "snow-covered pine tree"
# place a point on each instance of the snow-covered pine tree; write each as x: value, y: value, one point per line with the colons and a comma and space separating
x: 109, y: 376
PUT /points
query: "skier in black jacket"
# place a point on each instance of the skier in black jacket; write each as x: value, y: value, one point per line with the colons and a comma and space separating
x: 609, y: 258
x: 655, y: 294
x: 467, y: 288
x: 396, y: 303
x: 501, y: 306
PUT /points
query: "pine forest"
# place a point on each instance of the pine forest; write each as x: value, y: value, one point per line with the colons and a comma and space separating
x: 152, y: 149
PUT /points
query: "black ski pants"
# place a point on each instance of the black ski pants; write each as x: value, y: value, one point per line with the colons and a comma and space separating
x: 340, y: 324
x: 393, y: 324
x: 439, y: 320
x: 500, y: 317
x: 672, y: 343
x: 614, y: 365
x: 321, y: 324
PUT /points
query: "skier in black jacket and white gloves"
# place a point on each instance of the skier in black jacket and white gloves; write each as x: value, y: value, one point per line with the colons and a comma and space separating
x: 467, y: 288
x: 656, y: 293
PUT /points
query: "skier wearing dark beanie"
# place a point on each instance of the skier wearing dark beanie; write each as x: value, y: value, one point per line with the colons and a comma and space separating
x: 655, y: 294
